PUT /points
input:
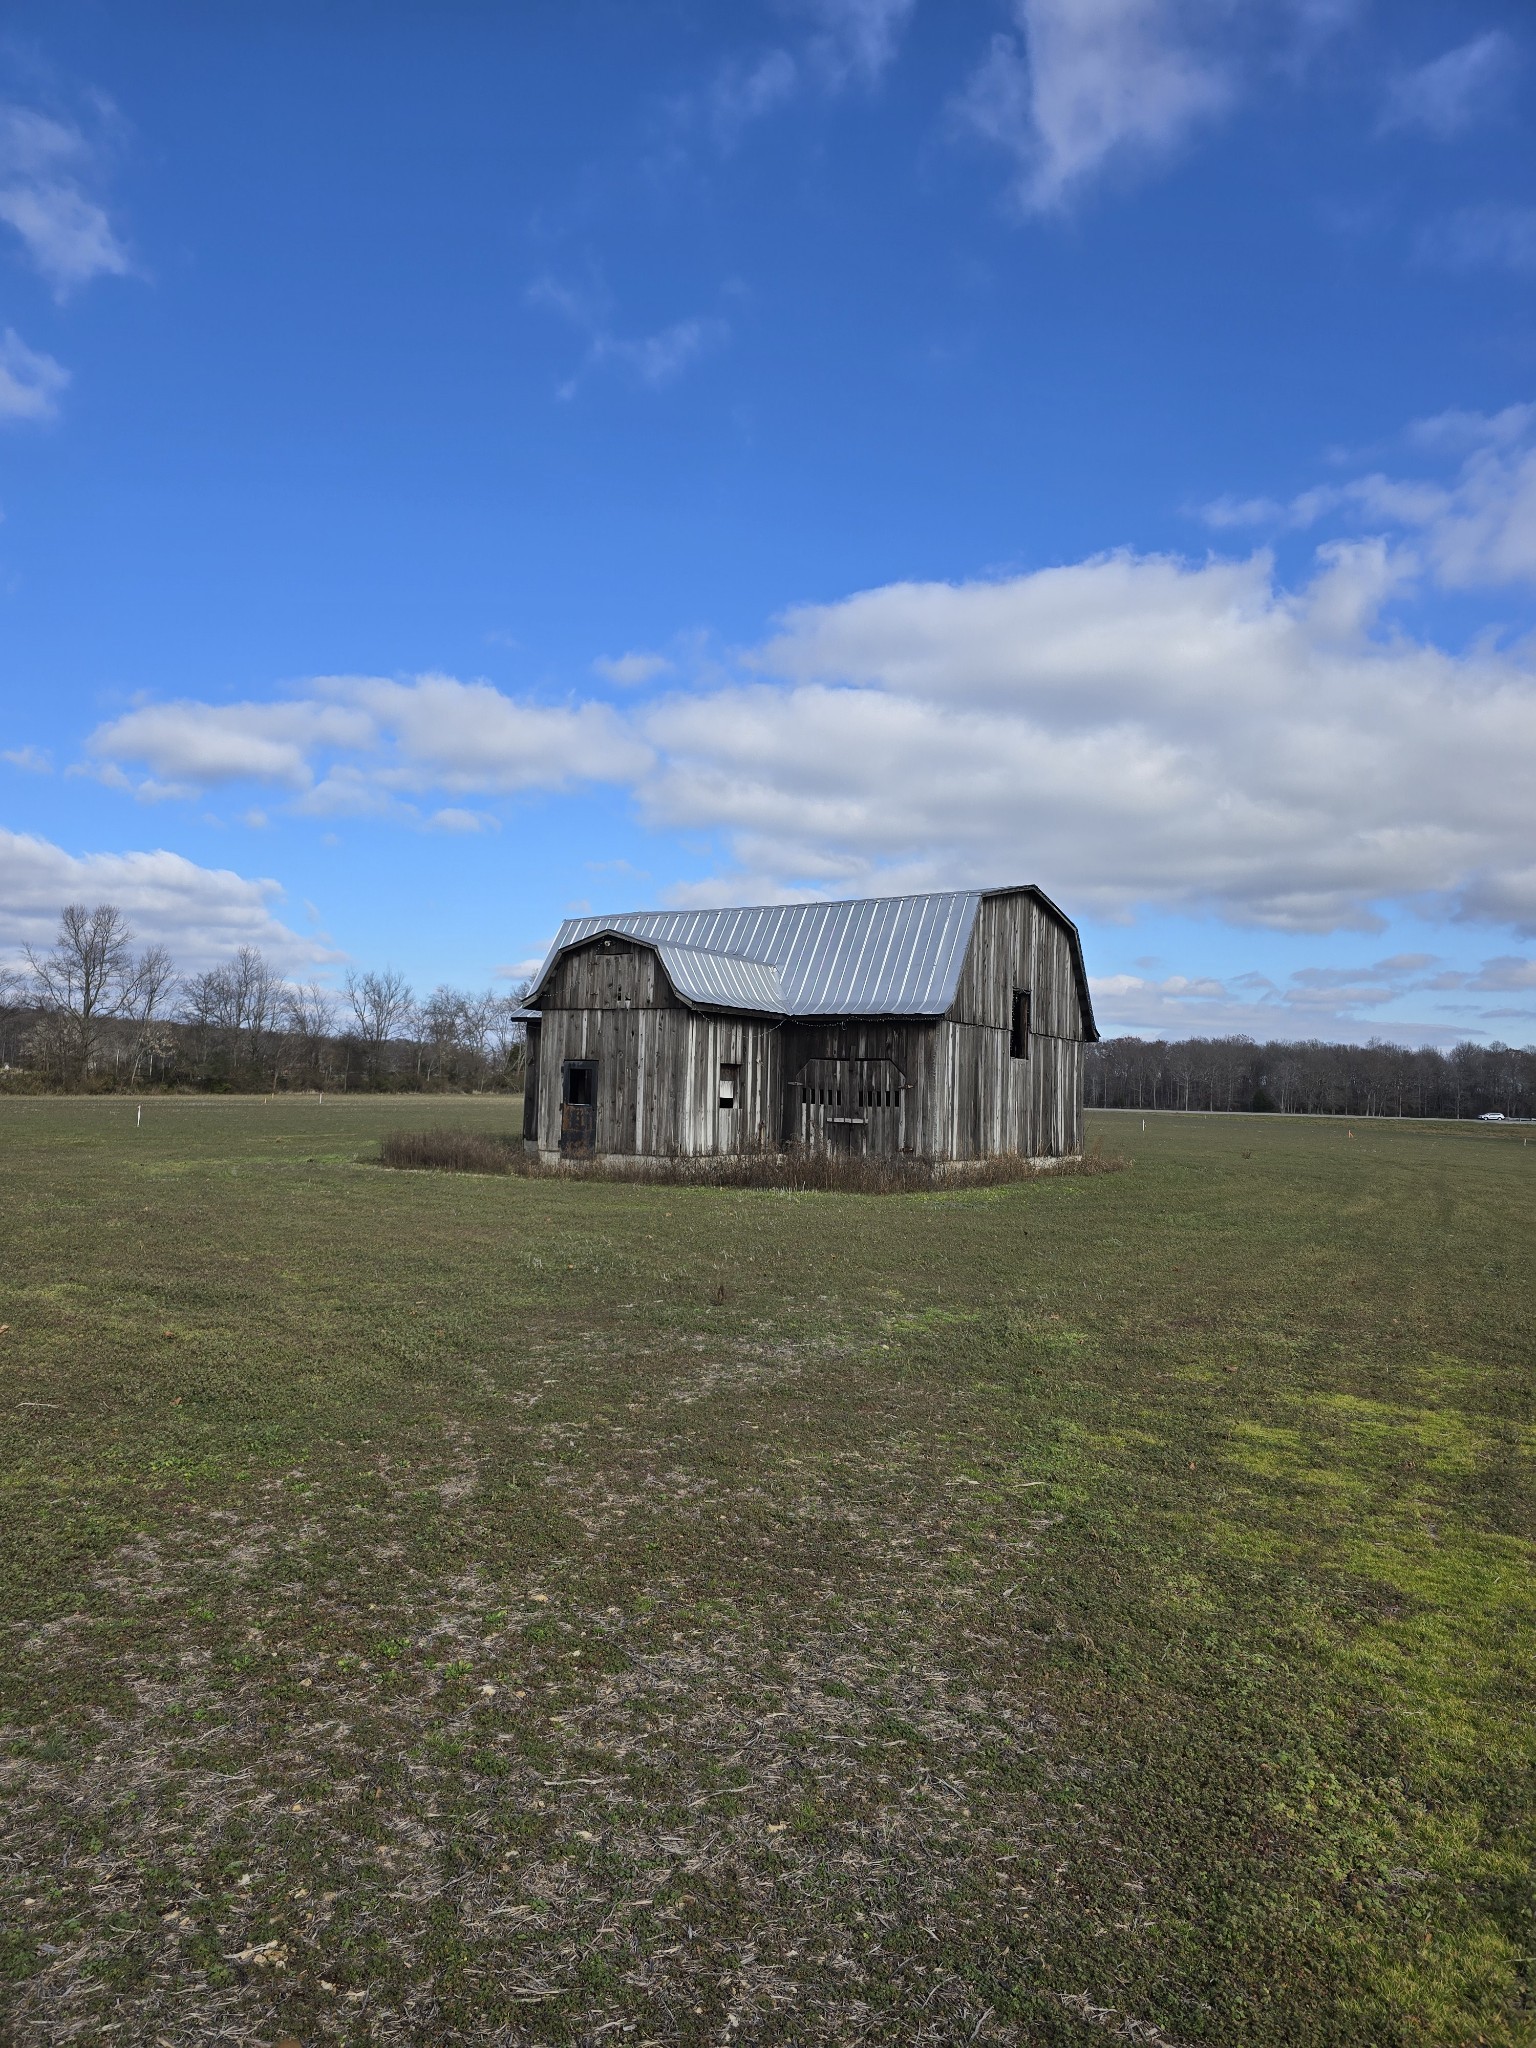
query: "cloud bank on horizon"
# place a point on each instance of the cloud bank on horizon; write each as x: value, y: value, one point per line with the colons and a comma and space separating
x: 1150, y: 731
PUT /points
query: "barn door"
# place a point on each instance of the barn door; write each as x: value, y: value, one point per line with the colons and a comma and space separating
x: 851, y: 1106
x: 578, y: 1109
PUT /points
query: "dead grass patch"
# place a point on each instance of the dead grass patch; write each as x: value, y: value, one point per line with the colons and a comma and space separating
x: 792, y: 1171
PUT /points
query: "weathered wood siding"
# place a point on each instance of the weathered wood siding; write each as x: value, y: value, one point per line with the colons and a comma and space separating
x: 1016, y: 944
x: 658, y: 1062
x: 847, y: 1061
x: 994, y: 1102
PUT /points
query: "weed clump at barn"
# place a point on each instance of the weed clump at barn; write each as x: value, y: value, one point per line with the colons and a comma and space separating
x: 794, y: 1170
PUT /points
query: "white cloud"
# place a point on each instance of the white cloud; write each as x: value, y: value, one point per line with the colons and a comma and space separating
x: 652, y: 359
x: 201, y: 914
x: 30, y: 383
x: 35, y: 760
x: 1130, y: 730
x: 453, y: 818
x: 66, y: 232
x: 1086, y: 87
x: 357, y: 745
x: 467, y: 737
x: 850, y: 43
x: 1506, y: 974
x: 194, y: 744
x: 743, y: 91
x: 1315, y: 1002
x: 1093, y: 82
x: 659, y: 358
x: 856, y: 40
x: 1227, y: 512
x: 1491, y: 237
x: 1474, y: 528
x: 1445, y: 97
x: 631, y: 669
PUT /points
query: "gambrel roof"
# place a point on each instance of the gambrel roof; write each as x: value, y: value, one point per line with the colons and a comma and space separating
x: 878, y: 956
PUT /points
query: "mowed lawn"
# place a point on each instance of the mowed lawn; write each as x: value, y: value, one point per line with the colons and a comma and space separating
x: 452, y: 1609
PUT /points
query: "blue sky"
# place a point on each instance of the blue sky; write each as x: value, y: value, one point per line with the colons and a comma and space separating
x: 462, y: 463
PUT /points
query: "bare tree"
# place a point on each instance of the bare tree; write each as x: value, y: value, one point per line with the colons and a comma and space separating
x: 84, y: 980
x: 153, y: 976
x: 148, y: 986
x: 380, y: 1003
x: 310, y: 1010
x: 305, y: 1023
x: 439, y: 1025
x: 508, y: 1033
x: 255, y: 999
x: 14, y: 1005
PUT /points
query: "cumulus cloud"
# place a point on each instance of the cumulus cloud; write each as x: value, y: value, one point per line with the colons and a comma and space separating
x: 1085, y: 87
x: 1314, y: 1002
x: 1474, y: 528
x: 1087, y: 82
x: 193, y: 744
x: 1443, y: 98
x: 1130, y: 731
x: 361, y: 745
x: 632, y: 669
x: 34, y: 760
x: 200, y: 913
x: 46, y: 166
x: 30, y: 383
x: 1506, y: 974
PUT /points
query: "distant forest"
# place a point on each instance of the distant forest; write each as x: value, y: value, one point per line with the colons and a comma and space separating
x: 92, y: 1012
x: 1310, y: 1076
x: 95, y: 1013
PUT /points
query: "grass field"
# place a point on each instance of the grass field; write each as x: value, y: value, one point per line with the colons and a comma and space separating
x: 439, y: 1608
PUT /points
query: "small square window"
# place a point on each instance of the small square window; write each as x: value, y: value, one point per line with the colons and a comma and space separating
x: 730, y: 1078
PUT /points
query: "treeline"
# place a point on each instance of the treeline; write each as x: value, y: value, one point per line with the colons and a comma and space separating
x: 95, y: 1012
x: 1311, y: 1077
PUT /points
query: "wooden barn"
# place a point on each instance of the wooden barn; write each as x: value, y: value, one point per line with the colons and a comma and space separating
x: 944, y: 1027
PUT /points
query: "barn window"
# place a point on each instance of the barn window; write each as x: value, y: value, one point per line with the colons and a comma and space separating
x: 1018, y: 1037
x: 729, y: 1078
x: 581, y: 1082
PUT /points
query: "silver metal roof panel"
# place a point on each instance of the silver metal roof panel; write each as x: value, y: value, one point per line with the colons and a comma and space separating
x: 884, y: 956
x: 877, y: 956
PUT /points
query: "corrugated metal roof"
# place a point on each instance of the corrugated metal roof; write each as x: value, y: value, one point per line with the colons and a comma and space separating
x: 878, y: 956
x: 884, y: 956
x: 722, y: 981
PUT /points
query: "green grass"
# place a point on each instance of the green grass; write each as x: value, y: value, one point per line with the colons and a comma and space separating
x: 1099, y: 1608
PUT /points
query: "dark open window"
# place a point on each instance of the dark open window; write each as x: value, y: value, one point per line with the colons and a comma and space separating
x: 1018, y: 1037
x: 729, y: 1079
x: 581, y: 1082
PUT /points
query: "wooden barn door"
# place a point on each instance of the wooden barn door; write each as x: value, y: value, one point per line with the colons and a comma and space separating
x: 855, y: 1106
x: 578, y: 1109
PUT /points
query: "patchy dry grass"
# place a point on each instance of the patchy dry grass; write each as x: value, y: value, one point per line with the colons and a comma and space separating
x: 564, y: 1611
x: 794, y: 1171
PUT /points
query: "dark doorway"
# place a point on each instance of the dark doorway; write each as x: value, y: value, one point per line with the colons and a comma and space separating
x: 531, y: 1084
x: 578, y: 1108
x: 1018, y: 1037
